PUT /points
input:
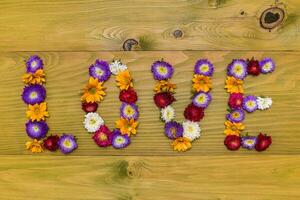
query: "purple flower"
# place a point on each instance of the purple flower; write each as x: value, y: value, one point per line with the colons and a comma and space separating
x: 67, y: 143
x: 266, y: 65
x: 202, y: 99
x: 173, y: 130
x: 236, y: 116
x: 36, y: 130
x: 204, y: 67
x: 34, y: 63
x: 250, y: 103
x: 34, y: 94
x: 162, y: 70
x: 249, y: 142
x: 119, y: 141
x: 238, y: 69
x: 129, y: 111
x: 100, y: 70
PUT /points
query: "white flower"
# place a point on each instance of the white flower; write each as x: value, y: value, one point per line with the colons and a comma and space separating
x: 264, y: 103
x: 167, y: 114
x: 92, y: 122
x: 116, y: 66
x: 191, y: 130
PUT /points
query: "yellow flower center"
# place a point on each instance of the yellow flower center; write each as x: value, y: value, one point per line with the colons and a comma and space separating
x: 238, y: 69
x: 33, y: 95
x: 190, y: 128
x: 250, y: 104
x: 234, y: 128
x: 99, y: 72
x: 102, y: 137
x: 34, y: 64
x: 92, y: 121
x: 67, y: 143
x: 36, y: 128
x: 249, y: 142
x: 204, y: 68
x: 36, y: 111
x: 162, y: 70
x: 120, y: 140
x: 92, y: 90
x: 236, y: 115
x: 129, y: 110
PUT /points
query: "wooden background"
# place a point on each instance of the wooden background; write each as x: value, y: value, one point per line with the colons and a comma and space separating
x: 70, y: 35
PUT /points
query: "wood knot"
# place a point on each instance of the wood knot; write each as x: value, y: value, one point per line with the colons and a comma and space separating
x: 136, y: 169
x: 272, y: 17
x: 129, y: 43
x: 178, y: 33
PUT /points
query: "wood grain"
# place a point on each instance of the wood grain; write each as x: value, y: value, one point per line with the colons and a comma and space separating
x: 67, y: 74
x: 80, y: 25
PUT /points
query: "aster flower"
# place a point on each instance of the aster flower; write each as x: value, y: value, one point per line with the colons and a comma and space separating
x: 89, y: 107
x: 191, y: 130
x: 129, y: 111
x: 164, y: 86
x: 38, y: 77
x: 162, y: 70
x: 263, y: 103
x: 51, y: 142
x: 173, y: 130
x: 34, y: 94
x: 67, y: 143
x: 266, y: 65
x: 128, y: 96
x: 202, y: 99
x: 201, y: 83
x: 126, y: 126
x: 234, y: 85
x: 249, y: 142
x: 34, y: 63
x: 103, y: 137
x: 204, y: 67
x: 93, y: 92
x: 236, y: 116
x: 236, y: 100
x: 238, y: 69
x: 35, y: 146
x: 193, y: 113
x: 181, y: 144
x: 167, y: 113
x: 92, y: 122
x: 36, y: 130
x: 120, y: 141
x: 232, y: 128
x: 37, y: 112
x: 163, y: 99
x: 116, y: 67
x: 253, y: 67
x: 100, y: 70
x: 250, y: 104
x: 124, y: 80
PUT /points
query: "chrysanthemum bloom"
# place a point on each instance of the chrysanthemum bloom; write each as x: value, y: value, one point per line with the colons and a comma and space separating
x: 124, y: 80
x: 253, y: 67
x: 266, y: 65
x: 202, y: 99
x: 35, y: 146
x: 37, y: 112
x: 235, y: 101
x: 201, y: 83
x: 163, y: 99
x: 93, y: 92
x: 127, y: 126
x: 67, y: 143
x: 232, y: 142
x: 181, y: 144
x: 234, y: 85
x: 263, y: 142
x: 36, y: 130
x: 167, y: 113
x: 34, y: 63
x: 193, y: 113
x: 233, y: 128
x: 51, y: 142
x: 173, y: 130
x: 37, y: 77
x: 128, y: 96
x: 162, y: 70
x: 92, y: 122
x: 236, y: 116
x: 237, y: 69
x: 100, y: 70
x: 250, y: 104
x: 264, y: 103
x: 129, y: 111
x: 89, y: 107
x: 191, y: 130
x: 34, y: 94
x: 204, y: 67
x: 120, y: 141
x: 164, y: 86
x: 103, y: 136
x: 116, y: 67
x: 249, y: 142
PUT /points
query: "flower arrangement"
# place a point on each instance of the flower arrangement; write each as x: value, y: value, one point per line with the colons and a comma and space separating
x: 34, y: 95
x: 239, y: 103
x: 184, y: 133
x: 94, y: 92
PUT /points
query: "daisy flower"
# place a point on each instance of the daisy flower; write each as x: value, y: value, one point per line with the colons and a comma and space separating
x: 173, y: 130
x: 129, y: 111
x: 236, y: 116
x: 37, y: 112
x: 120, y: 141
x: 162, y: 70
x: 238, y: 69
x: 263, y: 103
x: 249, y: 142
x: 92, y: 122
x: 191, y: 130
x: 36, y: 130
x: 100, y: 70
x: 250, y: 103
x: 167, y: 113
x: 126, y: 126
x: 202, y: 99
x: 204, y: 67
x: 117, y: 67
x: 34, y: 94
x: 103, y: 136
x: 93, y: 92
x: 38, y: 77
x: 266, y: 65
x: 232, y: 128
x: 201, y: 83
x: 164, y: 86
x: 67, y: 143
x: 35, y: 146
x: 234, y: 85
x: 181, y: 144
x: 34, y: 63
x: 124, y: 80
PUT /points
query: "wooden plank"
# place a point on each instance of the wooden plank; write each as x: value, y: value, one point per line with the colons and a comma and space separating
x: 143, y: 178
x: 79, y: 25
x: 67, y: 74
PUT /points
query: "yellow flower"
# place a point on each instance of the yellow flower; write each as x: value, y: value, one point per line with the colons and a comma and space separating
x: 233, y: 128
x: 234, y: 85
x: 37, y: 112
x: 34, y: 78
x: 181, y: 144
x: 164, y: 86
x: 93, y: 92
x: 124, y: 80
x: 127, y: 126
x: 201, y: 83
x: 35, y: 146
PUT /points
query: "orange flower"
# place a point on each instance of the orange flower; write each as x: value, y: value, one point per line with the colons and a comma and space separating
x: 234, y: 85
x: 93, y: 92
x: 127, y: 126
x: 181, y: 144
x: 233, y: 128
x: 34, y: 78
x: 201, y: 83
x: 35, y: 146
x: 124, y: 80
x: 164, y: 86
x: 37, y: 112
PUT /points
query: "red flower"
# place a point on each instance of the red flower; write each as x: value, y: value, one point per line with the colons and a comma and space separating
x: 128, y: 96
x: 50, y: 142
x: 253, y: 67
x: 263, y: 142
x: 232, y: 142
x: 193, y: 113
x: 235, y: 100
x: 163, y: 99
x: 103, y: 137
x: 89, y: 107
